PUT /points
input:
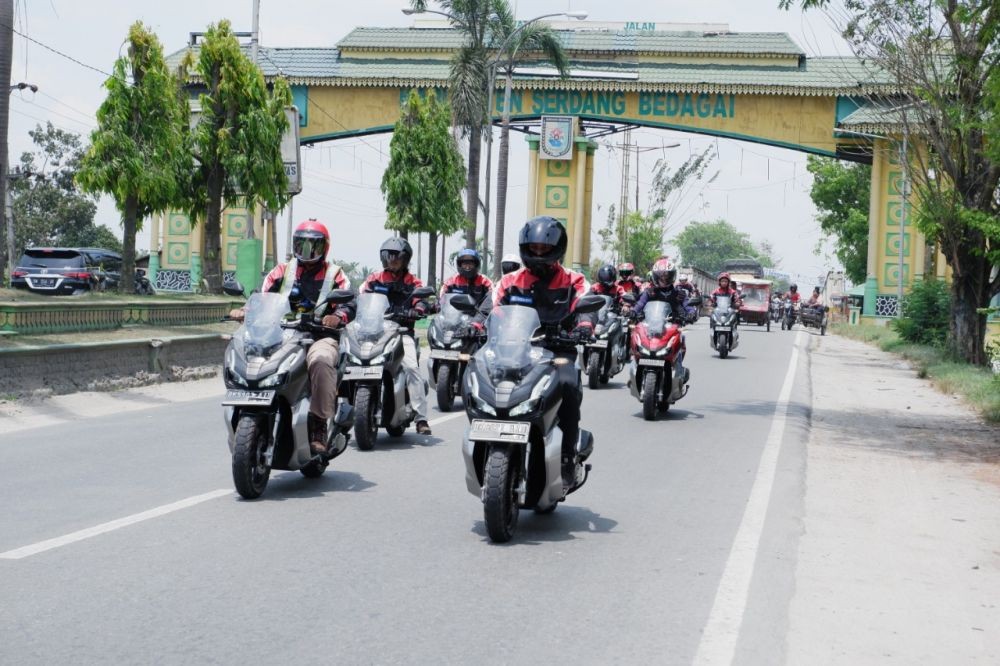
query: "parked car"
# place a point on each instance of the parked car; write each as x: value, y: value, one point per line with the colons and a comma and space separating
x: 64, y: 270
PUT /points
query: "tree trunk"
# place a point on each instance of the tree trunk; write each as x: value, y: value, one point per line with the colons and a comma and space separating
x: 6, y: 47
x: 969, y: 292
x: 129, y: 224
x: 472, y: 186
x: 211, y: 256
x: 502, y: 160
x: 432, y: 260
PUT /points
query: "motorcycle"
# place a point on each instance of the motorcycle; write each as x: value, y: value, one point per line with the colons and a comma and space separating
x: 789, y: 312
x: 267, y: 393
x: 725, y: 334
x: 694, y: 306
x: 605, y: 357
x: 513, y: 445
x: 815, y: 316
x: 776, y: 309
x: 451, y: 345
x: 373, y: 377
x: 653, y: 377
x: 143, y: 287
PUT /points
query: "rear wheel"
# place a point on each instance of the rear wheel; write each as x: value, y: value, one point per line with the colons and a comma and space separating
x: 313, y: 470
x: 593, y: 369
x: 395, y: 431
x: 250, y: 472
x: 822, y: 328
x: 445, y: 387
x: 649, y: 396
x: 769, y: 325
x: 365, y: 428
x: 500, y: 499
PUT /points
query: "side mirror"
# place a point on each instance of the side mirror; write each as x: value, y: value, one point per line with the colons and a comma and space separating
x: 340, y: 296
x: 423, y: 292
x: 589, y: 303
x: 233, y: 288
x: 695, y: 301
x: 463, y: 303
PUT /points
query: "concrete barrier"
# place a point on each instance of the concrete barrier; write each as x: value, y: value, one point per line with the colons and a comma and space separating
x: 101, y: 365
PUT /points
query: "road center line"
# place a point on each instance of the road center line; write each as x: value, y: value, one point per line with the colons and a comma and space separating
x: 49, y: 544
x: 443, y: 419
x: 718, y: 640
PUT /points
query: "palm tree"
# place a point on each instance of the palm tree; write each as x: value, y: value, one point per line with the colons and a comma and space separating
x: 516, y: 43
x: 468, y: 83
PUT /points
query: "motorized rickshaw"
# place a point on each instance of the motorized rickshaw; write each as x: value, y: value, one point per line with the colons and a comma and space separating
x: 756, y: 295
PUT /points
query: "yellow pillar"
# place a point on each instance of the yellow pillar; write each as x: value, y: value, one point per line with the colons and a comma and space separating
x: 579, y: 233
x: 532, y: 176
x: 588, y: 205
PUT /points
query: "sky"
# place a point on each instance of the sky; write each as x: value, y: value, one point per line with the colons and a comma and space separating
x: 762, y: 191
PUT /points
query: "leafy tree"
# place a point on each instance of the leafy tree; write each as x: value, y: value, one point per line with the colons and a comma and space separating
x: 423, y: 182
x: 637, y: 239
x: 519, y: 42
x: 468, y: 83
x: 944, y: 55
x: 924, y: 317
x: 47, y: 205
x: 236, y: 141
x: 707, y: 245
x: 841, y: 192
x: 671, y: 187
x: 138, y: 152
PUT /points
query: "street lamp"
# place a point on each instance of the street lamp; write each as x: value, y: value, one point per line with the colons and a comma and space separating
x: 4, y: 189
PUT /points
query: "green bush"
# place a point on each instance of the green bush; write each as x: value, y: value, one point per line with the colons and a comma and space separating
x: 925, y: 313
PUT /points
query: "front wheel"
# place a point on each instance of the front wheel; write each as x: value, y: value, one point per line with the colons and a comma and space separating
x: 593, y: 369
x: 250, y: 471
x: 649, y: 396
x: 769, y: 325
x: 500, y: 498
x: 365, y: 427
x: 445, y: 387
x: 822, y: 328
x: 724, y: 346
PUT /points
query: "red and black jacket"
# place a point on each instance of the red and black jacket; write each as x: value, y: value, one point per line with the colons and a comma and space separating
x: 310, y: 280
x: 616, y: 291
x: 481, y: 289
x: 732, y: 293
x: 555, y: 299
x: 399, y: 290
x: 631, y: 285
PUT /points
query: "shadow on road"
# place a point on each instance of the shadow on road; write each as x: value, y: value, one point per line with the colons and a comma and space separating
x: 410, y: 440
x: 561, y: 525
x: 293, y: 486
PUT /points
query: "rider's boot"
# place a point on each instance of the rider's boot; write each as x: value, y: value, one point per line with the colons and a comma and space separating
x: 316, y: 427
x: 570, y: 437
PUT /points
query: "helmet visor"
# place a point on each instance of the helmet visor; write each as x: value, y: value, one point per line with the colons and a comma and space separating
x: 309, y: 248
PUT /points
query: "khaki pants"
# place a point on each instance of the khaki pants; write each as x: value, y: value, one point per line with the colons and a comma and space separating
x: 414, y: 380
x: 321, y: 360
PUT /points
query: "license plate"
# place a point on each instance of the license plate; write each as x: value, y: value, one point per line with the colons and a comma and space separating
x: 241, y: 398
x: 446, y: 354
x: 599, y: 344
x: 499, y: 431
x: 44, y: 282
x: 363, y: 372
x: 651, y: 361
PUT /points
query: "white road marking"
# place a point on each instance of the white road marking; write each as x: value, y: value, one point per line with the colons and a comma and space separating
x: 49, y: 544
x: 443, y: 419
x: 718, y: 640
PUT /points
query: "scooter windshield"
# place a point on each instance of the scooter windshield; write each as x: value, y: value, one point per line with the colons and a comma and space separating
x: 655, y: 315
x: 723, y: 303
x: 262, y: 325
x: 509, y: 331
x: 450, y: 318
x: 605, y: 313
x: 369, y: 324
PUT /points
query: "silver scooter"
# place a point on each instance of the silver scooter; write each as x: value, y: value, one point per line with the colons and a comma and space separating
x: 267, y: 393
x: 373, y: 377
x: 725, y: 333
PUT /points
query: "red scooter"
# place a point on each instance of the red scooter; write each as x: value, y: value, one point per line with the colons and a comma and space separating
x: 656, y: 375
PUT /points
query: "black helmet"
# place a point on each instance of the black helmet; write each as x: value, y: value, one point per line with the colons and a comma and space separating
x: 793, y: 287
x: 542, y: 230
x: 395, y: 247
x: 607, y: 275
x: 466, y: 255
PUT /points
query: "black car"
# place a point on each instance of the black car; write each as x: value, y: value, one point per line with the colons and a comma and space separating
x: 64, y: 270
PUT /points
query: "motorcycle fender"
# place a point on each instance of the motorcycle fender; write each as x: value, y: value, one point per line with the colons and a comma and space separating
x: 553, y: 488
x: 432, y: 371
x: 301, y: 453
x: 229, y: 415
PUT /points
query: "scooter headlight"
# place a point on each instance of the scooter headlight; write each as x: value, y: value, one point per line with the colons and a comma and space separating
x: 277, y: 379
x: 531, y: 403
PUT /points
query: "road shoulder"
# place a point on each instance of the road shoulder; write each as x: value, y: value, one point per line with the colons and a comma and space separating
x: 899, y: 556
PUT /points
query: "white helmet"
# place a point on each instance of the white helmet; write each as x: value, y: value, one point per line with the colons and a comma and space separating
x: 510, y: 263
x: 683, y: 277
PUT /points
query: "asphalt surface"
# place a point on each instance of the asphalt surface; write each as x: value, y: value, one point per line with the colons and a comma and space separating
x: 385, y: 558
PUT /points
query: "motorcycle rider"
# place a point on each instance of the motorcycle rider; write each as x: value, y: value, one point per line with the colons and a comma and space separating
x: 397, y: 283
x: 510, y: 263
x: 793, y: 294
x: 607, y: 285
x: 545, y: 285
x: 315, y: 277
x: 628, y: 279
x: 684, y: 282
x: 726, y: 289
x: 469, y: 281
x: 662, y: 288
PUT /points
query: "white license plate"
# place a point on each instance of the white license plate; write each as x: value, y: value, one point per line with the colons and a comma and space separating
x: 600, y: 344
x: 241, y: 398
x: 446, y: 354
x: 652, y: 361
x: 499, y: 431
x: 362, y: 372
x: 44, y: 282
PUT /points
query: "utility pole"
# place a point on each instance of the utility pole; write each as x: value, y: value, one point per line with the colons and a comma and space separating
x: 6, y: 54
x: 626, y: 145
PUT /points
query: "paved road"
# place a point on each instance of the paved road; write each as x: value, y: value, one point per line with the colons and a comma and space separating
x: 680, y: 549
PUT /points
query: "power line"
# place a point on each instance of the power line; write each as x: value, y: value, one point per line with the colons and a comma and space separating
x: 57, y: 51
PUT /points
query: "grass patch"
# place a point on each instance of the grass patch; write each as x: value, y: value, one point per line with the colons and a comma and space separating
x: 25, y: 296
x: 977, y: 386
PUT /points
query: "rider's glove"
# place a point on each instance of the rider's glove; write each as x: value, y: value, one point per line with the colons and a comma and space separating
x: 415, y: 313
